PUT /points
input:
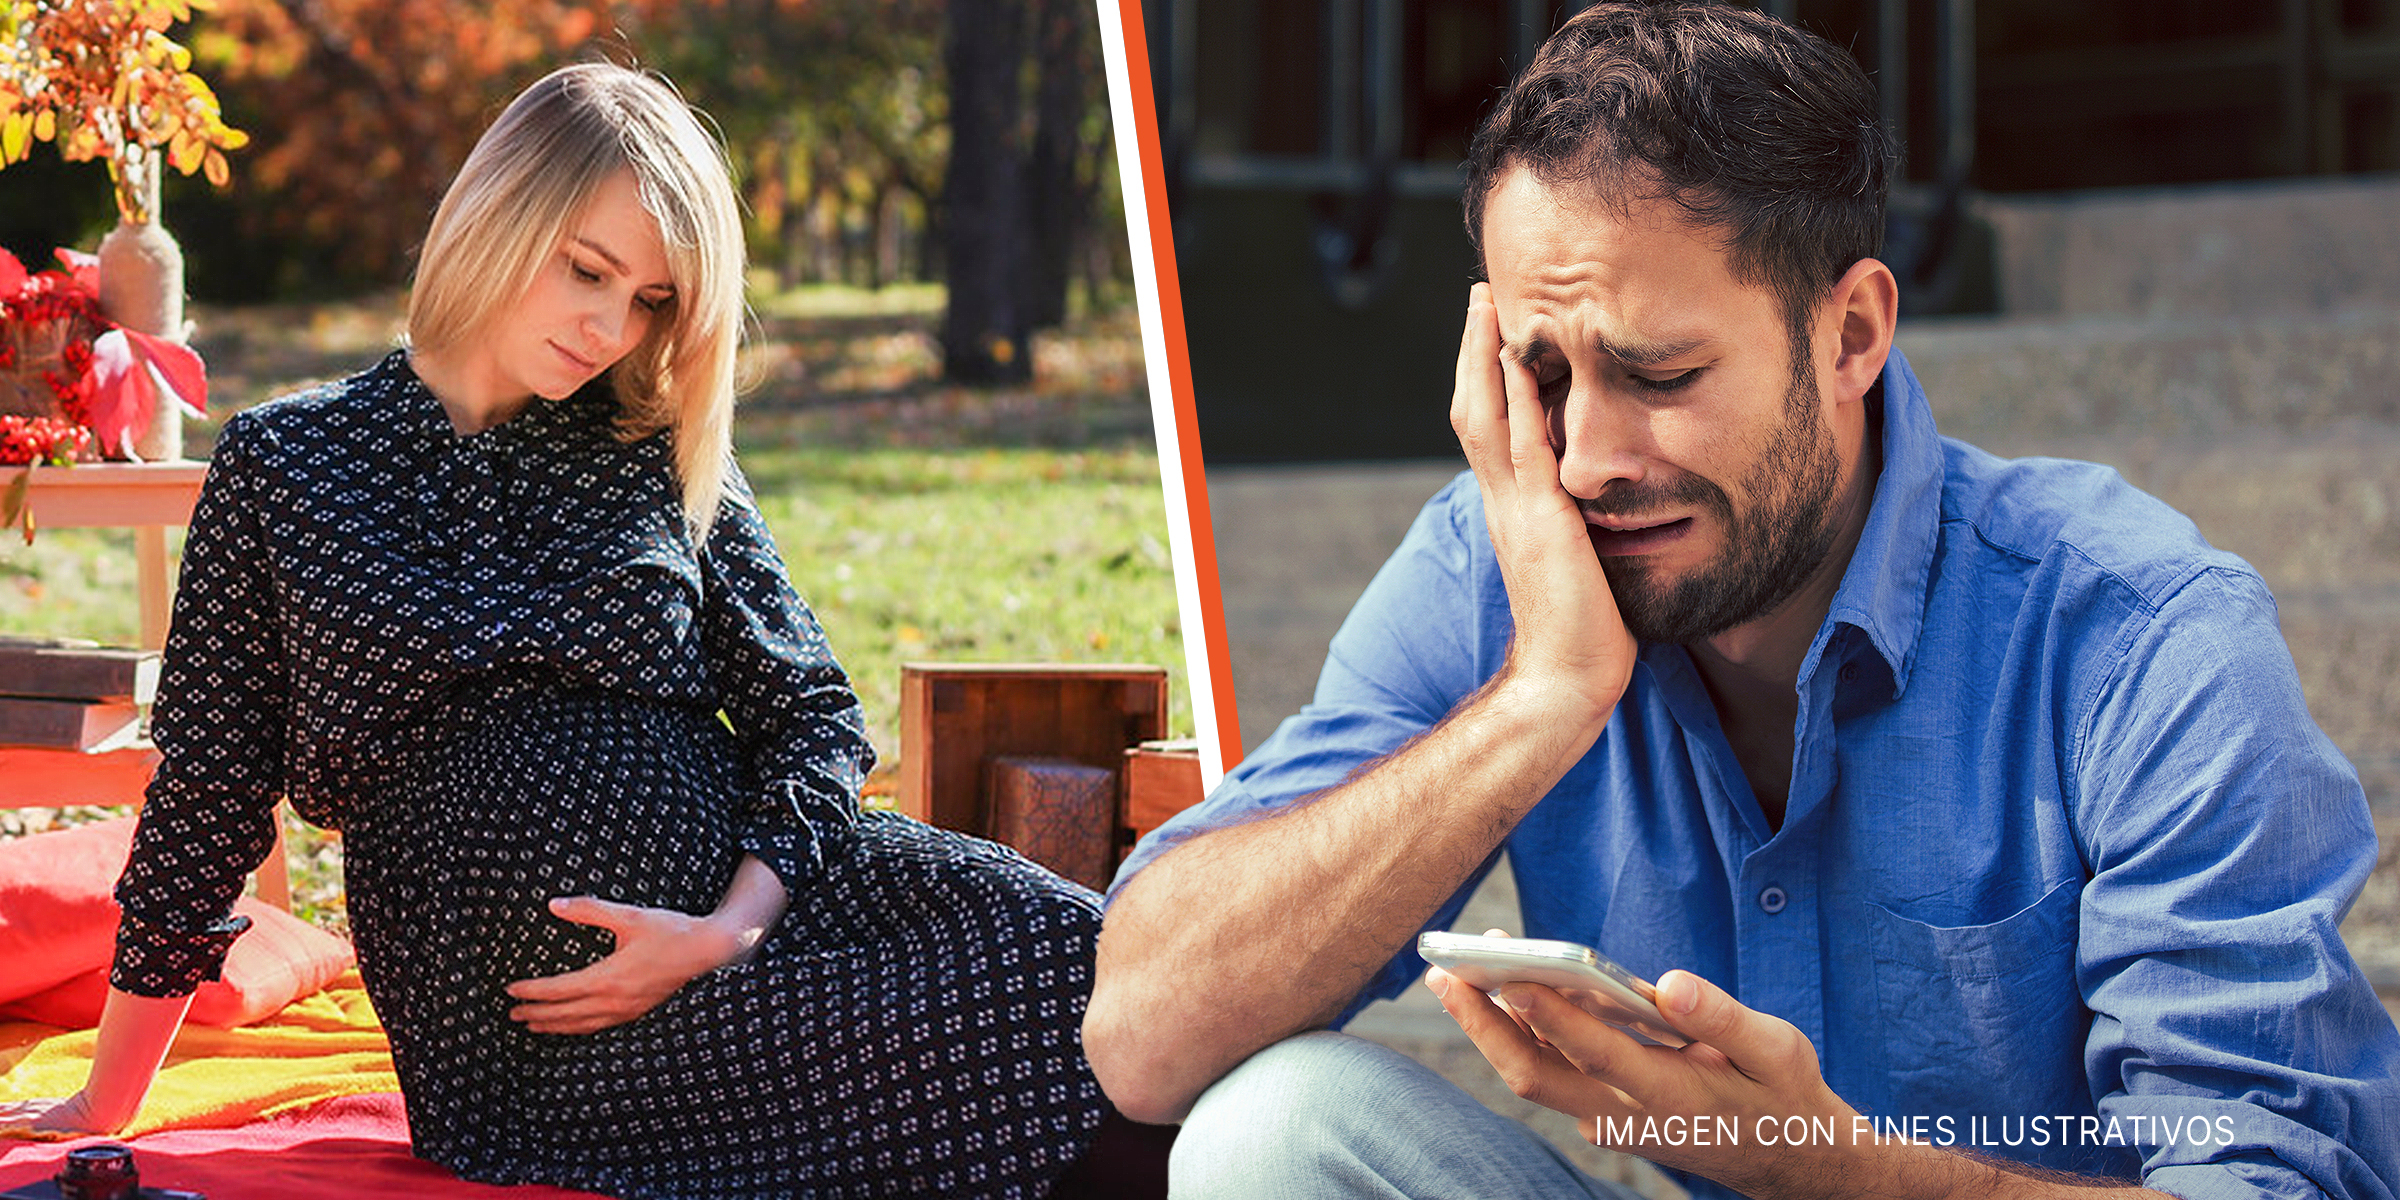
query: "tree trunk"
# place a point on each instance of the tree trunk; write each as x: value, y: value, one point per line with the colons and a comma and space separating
x: 825, y: 235
x: 791, y: 226
x: 1057, y: 205
x: 887, y: 236
x: 932, y: 241
x: 985, y: 331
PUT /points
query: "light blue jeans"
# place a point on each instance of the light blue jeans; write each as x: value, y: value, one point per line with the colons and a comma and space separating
x: 1326, y: 1114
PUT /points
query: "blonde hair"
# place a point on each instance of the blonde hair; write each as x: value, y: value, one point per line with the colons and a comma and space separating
x: 530, y: 176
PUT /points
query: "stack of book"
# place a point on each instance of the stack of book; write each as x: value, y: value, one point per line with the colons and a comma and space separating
x: 67, y: 695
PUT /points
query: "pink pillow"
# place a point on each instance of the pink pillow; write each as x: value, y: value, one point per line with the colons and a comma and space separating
x: 57, y: 919
x: 58, y: 928
x: 280, y: 959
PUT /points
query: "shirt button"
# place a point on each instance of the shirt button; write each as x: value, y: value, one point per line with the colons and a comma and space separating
x: 1849, y: 672
x: 1773, y: 899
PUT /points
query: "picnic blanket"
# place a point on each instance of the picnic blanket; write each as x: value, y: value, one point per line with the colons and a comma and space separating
x: 303, y: 1104
x: 319, y: 1047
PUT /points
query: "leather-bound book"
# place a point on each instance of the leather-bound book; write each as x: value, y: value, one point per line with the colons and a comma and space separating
x: 65, y: 669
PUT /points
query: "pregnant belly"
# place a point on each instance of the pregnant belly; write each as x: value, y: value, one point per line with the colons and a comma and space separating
x: 540, y: 794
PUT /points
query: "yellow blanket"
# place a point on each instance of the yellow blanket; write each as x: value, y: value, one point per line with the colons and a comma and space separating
x: 317, y: 1048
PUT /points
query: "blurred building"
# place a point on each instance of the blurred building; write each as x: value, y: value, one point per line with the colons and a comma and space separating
x: 1313, y: 150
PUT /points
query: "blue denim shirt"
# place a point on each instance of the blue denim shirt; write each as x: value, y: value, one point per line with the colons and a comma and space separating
x: 2061, y: 842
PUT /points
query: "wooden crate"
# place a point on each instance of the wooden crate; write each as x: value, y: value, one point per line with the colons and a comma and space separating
x: 1160, y: 780
x: 954, y: 716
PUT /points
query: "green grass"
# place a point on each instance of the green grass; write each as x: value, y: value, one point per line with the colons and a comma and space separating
x: 71, y: 583
x: 990, y: 555
x: 842, y: 300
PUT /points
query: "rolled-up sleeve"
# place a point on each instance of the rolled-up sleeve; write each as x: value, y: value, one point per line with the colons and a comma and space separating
x: 208, y: 818
x: 2227, y: 838
x: 787, y: 700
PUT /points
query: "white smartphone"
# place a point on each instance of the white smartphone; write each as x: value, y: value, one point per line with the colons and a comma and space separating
x: 1580, y: 973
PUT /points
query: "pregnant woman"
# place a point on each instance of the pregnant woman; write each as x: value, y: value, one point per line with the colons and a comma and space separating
x: 481, y: 607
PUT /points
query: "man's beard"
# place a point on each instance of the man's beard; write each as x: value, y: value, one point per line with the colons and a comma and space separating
x: 1769, y: 552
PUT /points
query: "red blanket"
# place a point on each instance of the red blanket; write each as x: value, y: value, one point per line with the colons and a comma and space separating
x: 350, y: 1146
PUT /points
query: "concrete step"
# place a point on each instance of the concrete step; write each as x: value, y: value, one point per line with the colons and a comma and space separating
x: 1295, y: 547
x: 2001, y: 377
x: 2372, y: 930
x: 2286, y: 245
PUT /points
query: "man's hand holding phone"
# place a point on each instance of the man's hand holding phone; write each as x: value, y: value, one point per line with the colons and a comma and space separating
x: 1736, y: 1063
x: 1579, y: 973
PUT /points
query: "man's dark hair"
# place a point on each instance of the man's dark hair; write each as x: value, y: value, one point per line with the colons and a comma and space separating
x: 1758, y: 130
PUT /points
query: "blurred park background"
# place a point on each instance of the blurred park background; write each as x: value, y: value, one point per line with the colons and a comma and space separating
x: 2158, y: 234
x: 946, y: 415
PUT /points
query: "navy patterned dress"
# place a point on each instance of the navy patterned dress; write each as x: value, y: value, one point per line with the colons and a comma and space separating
x: 496, y: 662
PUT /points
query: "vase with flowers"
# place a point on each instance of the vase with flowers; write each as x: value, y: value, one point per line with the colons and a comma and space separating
x: 99, y: 343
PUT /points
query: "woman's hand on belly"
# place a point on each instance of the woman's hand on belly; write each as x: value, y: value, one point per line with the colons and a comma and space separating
x: 658, y: 950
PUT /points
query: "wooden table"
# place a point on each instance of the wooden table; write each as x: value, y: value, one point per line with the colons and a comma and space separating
x: 148, y: 497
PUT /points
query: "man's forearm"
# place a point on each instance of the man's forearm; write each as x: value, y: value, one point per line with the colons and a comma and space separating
x: 1255, y: 932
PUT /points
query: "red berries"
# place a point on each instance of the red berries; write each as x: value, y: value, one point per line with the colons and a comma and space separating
x: 44, y: 440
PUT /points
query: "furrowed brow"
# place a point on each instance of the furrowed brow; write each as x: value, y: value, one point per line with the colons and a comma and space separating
x: 1530, y: 352
x: 1647, y: 354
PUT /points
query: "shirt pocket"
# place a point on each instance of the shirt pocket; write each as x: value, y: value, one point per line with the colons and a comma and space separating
x: 1982, y: 1019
